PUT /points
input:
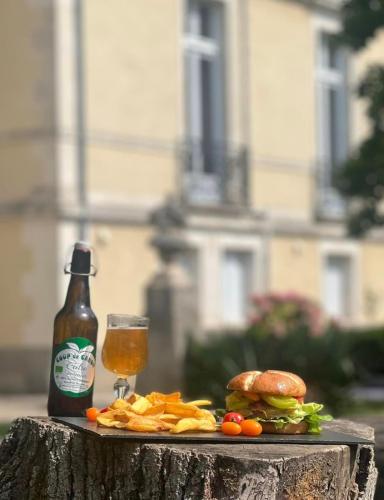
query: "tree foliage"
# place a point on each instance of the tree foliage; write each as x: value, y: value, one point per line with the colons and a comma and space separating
x: 361, y: 178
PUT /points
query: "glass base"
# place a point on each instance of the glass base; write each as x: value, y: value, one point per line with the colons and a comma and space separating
x: 124, y: 387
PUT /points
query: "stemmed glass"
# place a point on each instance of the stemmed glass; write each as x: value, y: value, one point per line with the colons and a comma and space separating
x: 125, y: 350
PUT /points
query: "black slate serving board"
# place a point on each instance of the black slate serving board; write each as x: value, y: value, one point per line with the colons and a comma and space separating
x: 326, y: 437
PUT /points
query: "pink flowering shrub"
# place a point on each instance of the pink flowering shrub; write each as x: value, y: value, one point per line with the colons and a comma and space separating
x: 280, y: 314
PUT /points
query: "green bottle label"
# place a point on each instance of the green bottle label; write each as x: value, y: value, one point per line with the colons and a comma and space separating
x: 74, y: 367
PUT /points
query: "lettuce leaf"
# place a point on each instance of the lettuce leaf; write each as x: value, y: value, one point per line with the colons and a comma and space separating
x: 307, y: 412
x: 314, y: 421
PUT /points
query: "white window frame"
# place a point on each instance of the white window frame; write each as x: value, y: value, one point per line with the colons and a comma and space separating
x: 210, y: 248
x: 351, y: 251
x: 331, y: 203
x: 250, y: 261
x: 203, y: 187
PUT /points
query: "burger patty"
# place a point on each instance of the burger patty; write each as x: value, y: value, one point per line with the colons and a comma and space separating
x: 264, y: 410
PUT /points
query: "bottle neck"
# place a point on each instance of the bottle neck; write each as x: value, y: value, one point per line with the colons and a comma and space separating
x: 78, y: 292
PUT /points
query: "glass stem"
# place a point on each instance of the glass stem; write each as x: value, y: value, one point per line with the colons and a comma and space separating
x: 124, y: 387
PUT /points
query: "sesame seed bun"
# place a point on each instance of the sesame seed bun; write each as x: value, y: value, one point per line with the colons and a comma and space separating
x: 244, y: 381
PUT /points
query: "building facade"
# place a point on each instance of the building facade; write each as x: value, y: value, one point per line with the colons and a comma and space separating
x: 238, y: 112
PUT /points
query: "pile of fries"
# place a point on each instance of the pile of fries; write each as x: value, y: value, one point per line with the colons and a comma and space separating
x: 158, y: 412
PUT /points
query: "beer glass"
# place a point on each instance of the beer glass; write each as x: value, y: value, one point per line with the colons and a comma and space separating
x: 125, y: 350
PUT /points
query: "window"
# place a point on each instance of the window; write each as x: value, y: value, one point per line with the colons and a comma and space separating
x: 332, y: 90
x: 204, y: 96
x: 235, y: 286
x: 337, y: 286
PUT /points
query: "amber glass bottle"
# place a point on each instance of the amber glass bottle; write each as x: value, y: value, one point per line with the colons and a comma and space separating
x: 74, y: 343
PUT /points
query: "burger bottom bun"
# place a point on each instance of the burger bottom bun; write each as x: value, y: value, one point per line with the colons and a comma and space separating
x: 269, y: 428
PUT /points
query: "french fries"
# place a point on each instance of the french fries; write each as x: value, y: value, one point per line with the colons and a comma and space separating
x: 158, y: 412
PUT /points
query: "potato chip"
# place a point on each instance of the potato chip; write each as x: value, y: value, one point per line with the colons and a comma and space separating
x: 123, y: 415
x: 182, y: 409
x: 141, y: 405
x: 158, y: 412
x: 107, y: 422
x: 133, y: 398
x: 144, y: 424
x: 159, y: 397
x: 200, y: 402
x: 193, y: 424
x: 120, y: 404
x: 206, y: 415
x: 169, y: 417
x: 156, y: 409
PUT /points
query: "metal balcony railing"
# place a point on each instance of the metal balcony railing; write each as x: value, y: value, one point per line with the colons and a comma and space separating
x: 329, y: 202
x: 214, y: 174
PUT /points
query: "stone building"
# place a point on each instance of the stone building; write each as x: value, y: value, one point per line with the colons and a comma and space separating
x: 233, y: 112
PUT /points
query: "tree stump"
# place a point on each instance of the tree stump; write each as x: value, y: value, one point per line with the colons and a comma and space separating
x: 41, y: 459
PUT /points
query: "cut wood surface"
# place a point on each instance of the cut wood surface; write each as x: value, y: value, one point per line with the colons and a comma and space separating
x: 41, y: 459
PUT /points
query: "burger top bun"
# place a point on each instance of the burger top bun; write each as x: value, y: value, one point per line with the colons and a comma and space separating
x: 278, y: 383
x: 244, y: 381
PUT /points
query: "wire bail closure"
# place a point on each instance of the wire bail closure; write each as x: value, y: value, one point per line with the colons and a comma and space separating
x: 67, y: 270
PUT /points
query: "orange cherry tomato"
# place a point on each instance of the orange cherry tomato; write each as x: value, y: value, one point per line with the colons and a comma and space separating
x: 91, y: 414
x: 230, y: 428
x: 251, y: 428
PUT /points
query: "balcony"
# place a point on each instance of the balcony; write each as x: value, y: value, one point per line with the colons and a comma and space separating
x: 214, y: 174
x: 330, y: 205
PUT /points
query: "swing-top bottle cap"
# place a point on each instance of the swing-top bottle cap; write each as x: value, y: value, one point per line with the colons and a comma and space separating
x: 81, y: 260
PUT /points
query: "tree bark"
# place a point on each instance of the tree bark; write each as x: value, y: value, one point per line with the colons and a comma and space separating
x: 40, y: 459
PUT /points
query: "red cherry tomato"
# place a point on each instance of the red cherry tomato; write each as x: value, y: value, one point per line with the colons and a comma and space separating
x: 233, y: 417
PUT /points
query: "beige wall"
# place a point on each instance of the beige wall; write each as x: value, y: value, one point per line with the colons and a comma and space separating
x: 285, y: 192
x: 126, y: 262
x: 15, y: 261
x: 372, y: 277
x: 28, y: 281
x: 282, y: 105
x: 282, y: 63
x: 26, y: 171
x: 26, y: 59
x: 26, y: 97
x: 295, y: 265
x: 124, y: 175
x: 134, y: 86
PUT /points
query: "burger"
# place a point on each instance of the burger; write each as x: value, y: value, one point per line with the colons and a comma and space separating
x: 276, y: 400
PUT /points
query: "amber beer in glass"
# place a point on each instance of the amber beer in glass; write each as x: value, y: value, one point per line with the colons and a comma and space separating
x: 74, y: 343
x: 125, y: 350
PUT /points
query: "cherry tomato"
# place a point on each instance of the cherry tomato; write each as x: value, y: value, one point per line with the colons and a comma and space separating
x: 104, y: 409
x: 251, y: 428
x: 230, y: 428
x: 91, y: 414
x: 233, y: 417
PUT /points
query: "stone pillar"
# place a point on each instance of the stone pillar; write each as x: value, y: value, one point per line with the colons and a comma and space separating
x: 171, y: 307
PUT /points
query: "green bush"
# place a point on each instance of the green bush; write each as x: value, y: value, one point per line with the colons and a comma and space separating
x: 367, y: 352
x: 286, y: 335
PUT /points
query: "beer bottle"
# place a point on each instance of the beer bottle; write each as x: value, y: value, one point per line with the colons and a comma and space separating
x: 74, y: 343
